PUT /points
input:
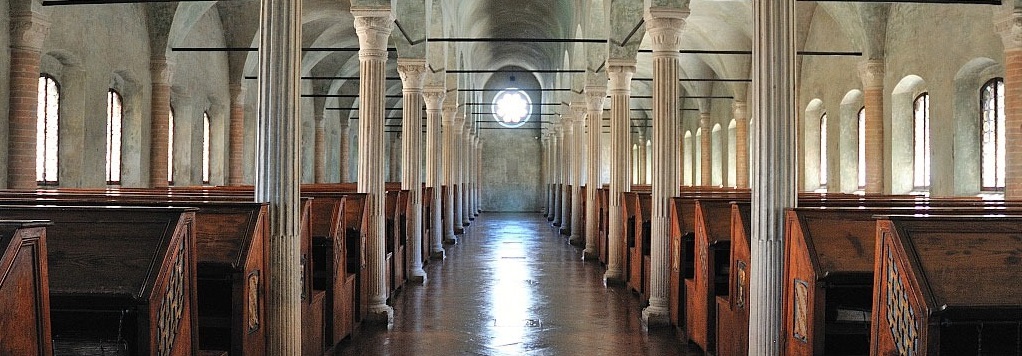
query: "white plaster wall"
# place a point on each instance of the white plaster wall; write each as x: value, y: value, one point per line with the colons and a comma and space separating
x: 511, y: 170
x: 5, y: 68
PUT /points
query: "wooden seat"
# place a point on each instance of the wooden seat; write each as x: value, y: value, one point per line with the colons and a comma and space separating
x: 24, y: 288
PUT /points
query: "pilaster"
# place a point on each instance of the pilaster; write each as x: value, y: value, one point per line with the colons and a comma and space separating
x: 413, y: 75
x: 620, y: 72
x: 664, y: 26
x: 373, y: 27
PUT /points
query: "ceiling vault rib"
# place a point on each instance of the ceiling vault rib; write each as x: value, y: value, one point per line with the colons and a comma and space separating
x: 517, y: 39
x: 748, y: 52
x: 253, y: 49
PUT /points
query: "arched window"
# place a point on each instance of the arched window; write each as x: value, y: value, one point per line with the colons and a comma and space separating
x: 649, y: 161
x: 698, y: 159
x: 205, y: 148
x: 732, y: 153
x: 114, y: 113
x: 862, y: 148
x: 921, y: 140
x: 635, y: 163
x: 687, y: 159
x: 992, y: 101
x: 170, y: 148
x: 823, y: 151
x: 46, y: 131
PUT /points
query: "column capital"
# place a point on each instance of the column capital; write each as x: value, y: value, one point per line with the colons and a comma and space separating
x: 237, y: 93
x: 161, y: 71
x: 704, y: 119
x: 413, y: 74
x: 578, y: 111
x: 433, y: 95
x: 664, y: 25
x: 595, y: 96
x: 28, y: 31
x: 740, y: 109
x: 373, y: 26
x: 620, y: 72
x: 1009, y: 26
x: 449, y: 110
x: 871, y: 73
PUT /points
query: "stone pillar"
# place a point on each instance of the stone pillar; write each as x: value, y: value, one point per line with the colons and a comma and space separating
x: 871, y: 73
x: 642, y: 156
x: 344, y: 164
x: 278, y: 162
x: 464, y: 164
x: 741, y: 117
x: 161, y: 73
x: 1010, y: 28
x: 27, y: 34
x: 413, y: 73
x: 567, y: 148
x: 557, y: 162
x: 595, y: 96
x: 577, y: 174
x: 620, y: 72
x: 450, y: 109
x: 773, y: 167
x: 664, y: 26
x: 373, y: 26
x: 236, y: 143
x: 544, y: 144
x: 434, y: 97
x: 457, y: 146
x: 478, y: 174
x: 705, y: 151
x: 318, y: 156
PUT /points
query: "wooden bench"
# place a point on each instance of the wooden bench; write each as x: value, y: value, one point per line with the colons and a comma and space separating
x: 947, y: 285
x: 24, y: 289
x: 710, y: 268
x: 121, y: 278
x: 733, y: 308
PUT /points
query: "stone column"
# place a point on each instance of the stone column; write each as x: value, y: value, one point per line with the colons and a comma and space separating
x: 544, y: 144
x: 557, y: 161
x: 373, y: 26
x: 620, y: 72
x: 595, y: 96
x: 278, y: 159
x: 705, y: 154
x: 465, y: 162
x: 871, y: 73
x: 773, y: 167
x: 1010, y: 27
x: 642, y: 156
x: 664, y: 26
x: 318, y: 156
x: 434, y: 97
x: 344, y: 164
x: 27, y: 34
x: 457, y: 148
x: 161, y: 73
x: 413, y: 73
x: 577, y: 174
x: 740, y: 112
x: 478, y: 174
x: 450, y: 109
x: 567, y: 148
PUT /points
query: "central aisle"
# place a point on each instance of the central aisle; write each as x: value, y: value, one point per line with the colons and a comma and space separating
x: 512, y: 286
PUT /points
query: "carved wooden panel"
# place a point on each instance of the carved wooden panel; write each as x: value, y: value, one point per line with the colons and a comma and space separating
x: 172, y: 304
x: 901, y: 317
x: 253, y: 301
x: 741, y: 279
x: 801, y: 310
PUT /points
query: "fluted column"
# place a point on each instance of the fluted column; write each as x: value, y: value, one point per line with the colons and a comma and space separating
x: 434, y: 97
x: 557, y: 163
x: 642, y: 157
x: 567, y: 149
x: 457, y: 151
x: 595, y: 96
x: 373, y: 26
x: 278, y: 162
x: 740, y: 112
x: 344, y: 161
x: 544, y: 144
x: 705, y: 151
x: 27, y: 34
x: 773, y: 167
x: 578, y: 157
x: 161, y: 73
x: 620, y: 72
x: 465, y: 164
x: 871, y: 73
x: 450, y: 110
x: 413, y: 74
x: 664, y: 26
x: 1009, y: 25
x: 478, y: 174
x: 318, y: 156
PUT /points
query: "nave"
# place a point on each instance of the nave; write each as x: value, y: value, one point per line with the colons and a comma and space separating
x: 513, y: 286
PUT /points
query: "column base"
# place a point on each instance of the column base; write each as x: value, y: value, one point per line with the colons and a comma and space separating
x: 566, y: 231
x: 654, y: 318
x: 417, y: 276
x: 450, y: 240
x: 477, y: 213
x: 459, y: 231
x: 589, y: 255
x: 466, y: 222
x: 555, y: 223
x: 614, y: 278
x: 437, y: 254
x: 381, y: 315
x: 577, y: 241
x: 472, y: 217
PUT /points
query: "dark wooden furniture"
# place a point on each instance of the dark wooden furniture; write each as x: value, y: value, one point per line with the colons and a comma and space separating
x: 947, y: 285
x: 733, y: 308
x: 121, y: 278
x: 711, y: 265
x: 24, y: 289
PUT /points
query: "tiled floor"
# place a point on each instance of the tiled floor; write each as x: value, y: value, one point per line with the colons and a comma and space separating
x: 512, y: 286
